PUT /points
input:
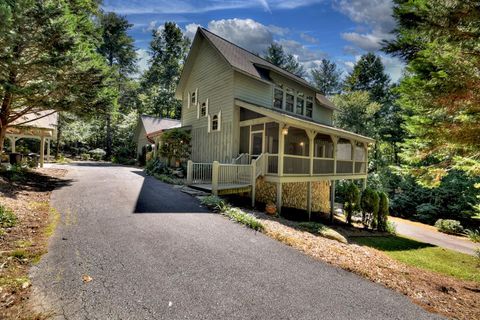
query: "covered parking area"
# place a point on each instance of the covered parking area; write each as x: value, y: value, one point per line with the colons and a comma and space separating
x: 40, y: 126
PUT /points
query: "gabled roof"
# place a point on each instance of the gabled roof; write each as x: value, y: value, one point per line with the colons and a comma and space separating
x: 250, y: 64
x: 45, y: 119
x: 154, y: 124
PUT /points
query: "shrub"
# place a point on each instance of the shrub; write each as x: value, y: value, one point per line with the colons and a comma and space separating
x: 449, y: 226
x: 382, y: 216
x: 244, y: 218
x: 215, y: 203
x: 322, y: 230
x: 391, y: 228
x: 7, y: 217
x: 370, y: 204
x: 156, y: 166
x: 473, y: 235
x: 85, y: 156
x: 352, y: 200
x: 97, y: 154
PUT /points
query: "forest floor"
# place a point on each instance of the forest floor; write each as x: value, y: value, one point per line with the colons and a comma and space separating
x: 27, y: 194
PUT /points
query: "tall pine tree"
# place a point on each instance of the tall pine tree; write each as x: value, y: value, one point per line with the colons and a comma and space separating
x: 277, y: 56
x: 168, y: 50
x: 327, y: 78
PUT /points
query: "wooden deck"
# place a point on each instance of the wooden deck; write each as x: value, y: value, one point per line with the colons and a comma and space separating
x: 224, y: 189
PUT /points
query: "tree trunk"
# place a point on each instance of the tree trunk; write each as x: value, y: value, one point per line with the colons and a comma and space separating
x: 3, y: 132
x: 59, y: 136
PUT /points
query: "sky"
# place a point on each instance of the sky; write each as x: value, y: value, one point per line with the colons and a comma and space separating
x: 339, y: 30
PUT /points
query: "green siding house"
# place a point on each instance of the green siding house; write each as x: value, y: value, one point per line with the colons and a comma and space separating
x: 258, y: 128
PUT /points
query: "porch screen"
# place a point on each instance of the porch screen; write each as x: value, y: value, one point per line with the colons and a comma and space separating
x: 271, y: 137
x: 244, y: 139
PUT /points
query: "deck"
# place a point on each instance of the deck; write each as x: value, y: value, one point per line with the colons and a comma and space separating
x: 223, y: 189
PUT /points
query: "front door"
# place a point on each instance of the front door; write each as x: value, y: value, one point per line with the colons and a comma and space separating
x: 256, y: 144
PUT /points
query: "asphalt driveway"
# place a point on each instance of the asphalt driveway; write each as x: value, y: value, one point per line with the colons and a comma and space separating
x: 154, y: 253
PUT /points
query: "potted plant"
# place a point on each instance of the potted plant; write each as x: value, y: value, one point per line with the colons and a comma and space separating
x: 271, y: 208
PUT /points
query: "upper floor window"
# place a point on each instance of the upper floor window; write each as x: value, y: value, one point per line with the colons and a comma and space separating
x: 299, y: 104
x: 289, y: 100
x: 215, y: 123
x: 203, y: 110
x: 193, y: 98
x: 309, y: 107
x: 278, y: 98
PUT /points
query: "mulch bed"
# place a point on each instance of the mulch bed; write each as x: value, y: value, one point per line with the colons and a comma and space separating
x: 28, y: 195
x: 434, y: 292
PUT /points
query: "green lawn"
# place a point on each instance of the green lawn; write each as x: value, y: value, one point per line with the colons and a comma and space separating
x: 426, y: 256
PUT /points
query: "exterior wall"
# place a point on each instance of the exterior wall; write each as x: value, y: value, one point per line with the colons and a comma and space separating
x: 213, y: 78
x: 294, y: 194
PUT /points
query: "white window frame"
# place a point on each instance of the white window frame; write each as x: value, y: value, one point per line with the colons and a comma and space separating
x: 219, y: 122
x: 199, y: 111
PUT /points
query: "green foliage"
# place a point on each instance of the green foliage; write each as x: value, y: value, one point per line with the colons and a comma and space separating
x: 168, y: 50
x: 215, y: 203
x: 473, y: 235
x: 352, y: 201
x: 391, y: 228
x: 322, y: 230
x: 175, y: 144
x: 276, y: 55
x: 382, y: 216
x: 326, y: 78
x: 438, y: 39
x: 85, y: 156
x: 369, y: 203
x: 244, y: 218
x: 156, y: 167
x: 97, y: 154
x: 7, y: 218
x: 449, y: 226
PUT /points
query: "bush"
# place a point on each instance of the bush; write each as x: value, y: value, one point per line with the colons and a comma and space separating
x: 449, y: 226
x: 85, y: 156
x: 7, y: 217
x: 391, y: 228
x: 244, y: 218
x: 215, y: 203
x: 473, y: 235
x: 370, y: 204
x: 382, y: 216
x: 156, y: 166
x: 352, y: 201
x: 97, y: 154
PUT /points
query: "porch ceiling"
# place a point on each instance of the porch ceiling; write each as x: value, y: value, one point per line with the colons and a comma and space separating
x: 301, y: 123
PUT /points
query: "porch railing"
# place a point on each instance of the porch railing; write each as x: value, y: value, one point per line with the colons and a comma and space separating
x: 234, y: 174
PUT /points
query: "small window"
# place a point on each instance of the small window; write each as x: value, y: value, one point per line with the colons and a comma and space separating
x: 278, y: 98
x: 309, y: 107
x: 300, y: 102
x: 193, y: 99
x: 289, y: 98
x: 203, y: 109
x: 215, y: 123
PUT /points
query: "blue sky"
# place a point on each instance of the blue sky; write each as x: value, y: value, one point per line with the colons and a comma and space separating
x: 340, y: 30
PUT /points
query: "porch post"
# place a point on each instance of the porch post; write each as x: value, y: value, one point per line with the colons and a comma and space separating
x: 13, y: 140
x: 254, y: 180
x: 281, y: 149
x: 353, y: 144
x: 189, y: 172
x: 334, y: 140
x: 311, y: 137
x: 332, y: 199
x: 279, y: 197
x: 309, y: 200
x: 48, y: 150
x: 42, y: 151
x: 215, y: 167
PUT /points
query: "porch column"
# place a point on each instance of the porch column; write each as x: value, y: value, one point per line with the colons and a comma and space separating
x: 309, y: 200
x: 332, y: 200
x: 311, y: 137
x: 279, y: 197
x: 281, y: 148
x: 334, y: 140
x: 42, y: 151
x: 189, y: 172
x: 353, y: 144
x: 13, y: 140
x: 215, y: 167
x: 48, y: 150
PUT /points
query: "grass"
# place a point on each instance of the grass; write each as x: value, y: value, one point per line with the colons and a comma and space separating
x: 426, y: 256
x: 54, y: 218
x: 244, y: 218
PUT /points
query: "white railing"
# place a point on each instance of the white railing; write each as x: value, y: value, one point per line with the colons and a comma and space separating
x: 243, y: 158
x: 259, y: 165
x: 200, y: 173
x: 234, y: 174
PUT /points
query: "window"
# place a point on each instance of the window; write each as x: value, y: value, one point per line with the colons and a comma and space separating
x: 203, y: 109
x: 278, y: 98
x: 309, y: 107
x: 289, y: 98
x: 300, y: 102
x: 215, y: 123
x: 193, y: 99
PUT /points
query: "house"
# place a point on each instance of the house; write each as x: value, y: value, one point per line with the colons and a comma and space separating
x: 149, y: 130
x: 40, y: 125
x: 258, y: 128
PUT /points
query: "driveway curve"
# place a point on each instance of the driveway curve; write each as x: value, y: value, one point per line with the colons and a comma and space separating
x: 153, y: 252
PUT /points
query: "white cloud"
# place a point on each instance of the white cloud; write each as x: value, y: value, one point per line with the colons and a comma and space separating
x: 393, y: 67
x: 300, y: 51
x: 143, y: 60
x: 367, y: 41
x: 308, y: 38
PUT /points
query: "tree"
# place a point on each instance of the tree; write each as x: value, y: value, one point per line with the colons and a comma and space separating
x: 382, y: 216
x: 369, y: 202
x: 168, y: 50
x: 118, y: 49
x: 175, y: 145
x: 277, y: 56
x: 368, y: 74
x: 326, y: 77
x: 352, y: 201
x: 441, y: 90
x: 356, y: 112
x: 48, y: 59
